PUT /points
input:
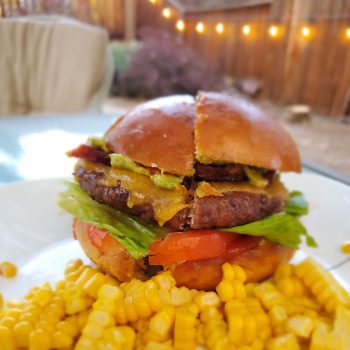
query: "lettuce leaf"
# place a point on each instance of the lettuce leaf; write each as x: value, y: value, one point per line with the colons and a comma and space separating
x: 297, y: 204
x: 132, y: 233
x: 280, y: 228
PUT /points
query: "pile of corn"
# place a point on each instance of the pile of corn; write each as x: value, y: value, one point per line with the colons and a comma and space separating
x: 301, y: 307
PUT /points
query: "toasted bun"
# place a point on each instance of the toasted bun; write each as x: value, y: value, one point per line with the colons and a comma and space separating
x: 230, y: 129
x: 111, y: 257
x: 106, y: 252
x: 158, y: 134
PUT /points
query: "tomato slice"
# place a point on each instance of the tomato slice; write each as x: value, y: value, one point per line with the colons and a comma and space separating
x: 198, y: 244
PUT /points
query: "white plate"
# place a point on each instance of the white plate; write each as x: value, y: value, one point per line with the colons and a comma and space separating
x: 36, y: 234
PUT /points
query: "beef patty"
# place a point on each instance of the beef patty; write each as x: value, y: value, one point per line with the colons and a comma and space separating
x: 230, y: 209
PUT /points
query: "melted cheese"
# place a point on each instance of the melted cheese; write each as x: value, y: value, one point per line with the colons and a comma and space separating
x: 276, y: 188
x: 166, y: 203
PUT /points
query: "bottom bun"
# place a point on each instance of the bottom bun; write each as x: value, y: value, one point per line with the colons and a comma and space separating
x: 110, y: 256
x: 107, y: 253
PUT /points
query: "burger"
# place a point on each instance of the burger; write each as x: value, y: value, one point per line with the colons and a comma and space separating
x: 185, y: 184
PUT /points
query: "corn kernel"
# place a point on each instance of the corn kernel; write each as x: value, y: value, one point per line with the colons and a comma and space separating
x: 72, y: 266
x: 162, y: 322
x: 205, y: 299
x: 110, y: 293
x: 152, y: 295
x: 278, y: 315
x: 40, y: 340
x: 61, y: 340
x: 130, y: 309
x: 285, y: 342
x: 7, y: 269
x: 122, y: 336
x: 22, y: 331
x: 43, y: 296
x: 92, y: 286
x: 8, y: 322
x: 225, y: 290
x: 101, y: 318
x: 300, y: 326
x: 82, y: 318
x: 69, y: 326
x: 93, y: 331
x: 164, y: 280
x: 6, y: 339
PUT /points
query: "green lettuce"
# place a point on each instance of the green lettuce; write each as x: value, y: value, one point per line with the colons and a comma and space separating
x: 281, y: 228
x: 132, y: 233
x: 297, y: 204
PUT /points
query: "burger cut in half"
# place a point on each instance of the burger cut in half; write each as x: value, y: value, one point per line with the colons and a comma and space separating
x: 186, y: 184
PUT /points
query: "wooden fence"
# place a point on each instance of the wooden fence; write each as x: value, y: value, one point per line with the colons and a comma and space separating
x: 292, y: 68
x: 313, y: 70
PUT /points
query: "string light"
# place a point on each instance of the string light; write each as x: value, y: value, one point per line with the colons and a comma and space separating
x: 153, y: 1
x: 347, y: 33
x: 246, y: 29
x: 274, y: 31
x: 219, y: 28
x: 166, y: 12
x: 200, y: 27
x: 180, y: 25
x: 306, y: 32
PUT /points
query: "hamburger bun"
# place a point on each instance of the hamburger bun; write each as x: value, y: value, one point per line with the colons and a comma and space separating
x: 229, y: 129
x: 157, y: 134
x: 259, y: 262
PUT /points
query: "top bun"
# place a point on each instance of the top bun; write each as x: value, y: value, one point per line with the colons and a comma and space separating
x: 219, y: 128
x: 158, y: 133
x: 229, y: 129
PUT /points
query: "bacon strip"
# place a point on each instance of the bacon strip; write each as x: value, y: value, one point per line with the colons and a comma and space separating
x: 91, y: 154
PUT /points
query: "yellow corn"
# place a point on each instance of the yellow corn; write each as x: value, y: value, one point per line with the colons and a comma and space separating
x: 6, y: 338
x: 93, y: 331
x: 43, y: 296
x: 21, y: 332
x: 69, y: 326
x: 162, y: 322
x: 152, y: 295
x: 283, y: 271
x: 72, y: 266
x: 300, y: 326
x: 61, y: 340
x: 92, y: 285
x: 268, y: 295
x: 110, y: 293
x: 40, y: 340
x: 89, y: 310
x: 122, y: 337
x: 233, y: 273
x: 323, y: 285
x: 7, y: 269
x: 184, y: 327
x: 164, y: 280
x: 158, y: 346
x: 206, y: 299
x: 285, y: 342
x: 1, y: 301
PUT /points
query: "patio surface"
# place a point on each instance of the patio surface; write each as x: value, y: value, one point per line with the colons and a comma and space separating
x: 325, y: 141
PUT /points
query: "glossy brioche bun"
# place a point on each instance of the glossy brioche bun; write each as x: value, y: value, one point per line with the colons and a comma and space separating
x: 158, y: 133
x: 259, y: 262
x: 167, y: 132
x: 230, y: 129
x: 108, y: 254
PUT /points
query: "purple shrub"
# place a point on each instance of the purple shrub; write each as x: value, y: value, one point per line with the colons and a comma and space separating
x: 164, y: 65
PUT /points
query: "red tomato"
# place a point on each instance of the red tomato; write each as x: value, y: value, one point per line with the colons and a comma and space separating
x: 198, y: 244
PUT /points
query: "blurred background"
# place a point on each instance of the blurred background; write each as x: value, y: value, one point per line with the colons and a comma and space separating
x: 105, y: 56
